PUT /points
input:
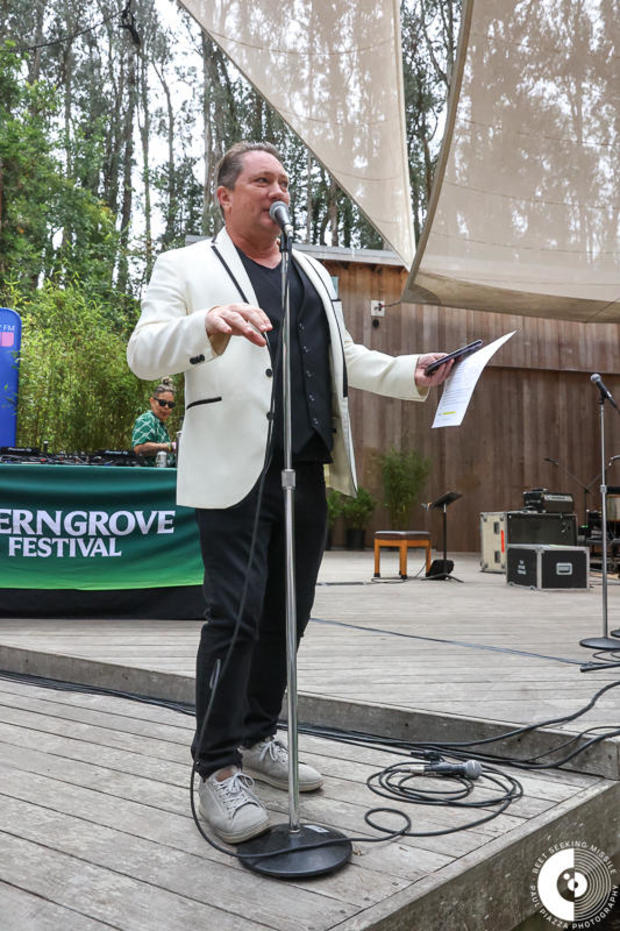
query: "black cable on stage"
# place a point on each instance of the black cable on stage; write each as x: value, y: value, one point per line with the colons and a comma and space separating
x: 428, y: 750
x: 393, y: 781
x: 398, y: 781
x: 61, y: 685
x: 220, y: 667
x: 610, y: 729
x: 592, y: 667
x: 457, y: 748
x: 564, y: 719
x: 458, y: 643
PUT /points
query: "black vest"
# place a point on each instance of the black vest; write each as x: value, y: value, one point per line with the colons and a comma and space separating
x: 311, y: 413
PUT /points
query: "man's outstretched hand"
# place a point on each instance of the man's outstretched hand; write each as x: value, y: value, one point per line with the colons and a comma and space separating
x: 427, y: 381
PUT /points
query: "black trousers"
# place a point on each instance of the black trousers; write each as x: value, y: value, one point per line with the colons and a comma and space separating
x: 246, y: 703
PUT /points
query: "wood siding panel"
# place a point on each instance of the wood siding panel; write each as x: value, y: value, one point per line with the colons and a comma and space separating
x: 534, y: 400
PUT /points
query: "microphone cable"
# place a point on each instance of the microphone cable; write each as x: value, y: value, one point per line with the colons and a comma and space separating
x: 462, y: 749
x: 394, y: 781
x: 398, y: 782
x: 220, y: 667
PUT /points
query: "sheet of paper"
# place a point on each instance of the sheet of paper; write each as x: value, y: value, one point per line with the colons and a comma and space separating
x: 459, y: 387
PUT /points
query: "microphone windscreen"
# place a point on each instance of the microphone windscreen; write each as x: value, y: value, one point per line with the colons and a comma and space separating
x: 473, y: 769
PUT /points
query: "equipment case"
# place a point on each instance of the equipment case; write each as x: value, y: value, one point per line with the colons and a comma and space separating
x: 549, y: 567
x: 501, y: 529
x: 493, y: 541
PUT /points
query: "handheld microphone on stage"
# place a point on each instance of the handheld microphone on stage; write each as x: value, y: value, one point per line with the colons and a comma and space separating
x: 470, y: 768
x: 279, y: 214
x: 605, y: 392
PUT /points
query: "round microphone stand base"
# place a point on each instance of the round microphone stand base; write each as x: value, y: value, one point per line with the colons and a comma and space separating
x: 292, y: 857
x: 601, y: 643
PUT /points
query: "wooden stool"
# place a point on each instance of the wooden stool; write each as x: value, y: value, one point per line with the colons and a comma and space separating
x: 403, y: 539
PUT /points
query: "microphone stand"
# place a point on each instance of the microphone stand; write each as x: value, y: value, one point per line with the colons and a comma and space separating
x: 605, y: 642
x: 584, y: 488
x: 286, y: 851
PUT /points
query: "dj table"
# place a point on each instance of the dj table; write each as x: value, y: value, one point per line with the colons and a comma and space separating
x: 96, y: 541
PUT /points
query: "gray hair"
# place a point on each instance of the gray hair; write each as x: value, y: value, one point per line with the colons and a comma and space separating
x: 166, y: 384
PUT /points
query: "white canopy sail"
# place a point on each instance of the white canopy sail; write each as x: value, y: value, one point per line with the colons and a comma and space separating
x: 526, y: 201
x: 333, y: 71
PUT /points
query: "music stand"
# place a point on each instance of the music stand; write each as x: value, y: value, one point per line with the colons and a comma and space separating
x: 441, y: 569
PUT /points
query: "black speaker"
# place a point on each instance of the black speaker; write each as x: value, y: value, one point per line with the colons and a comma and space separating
x: 535, y: 527
x: 440, y: 568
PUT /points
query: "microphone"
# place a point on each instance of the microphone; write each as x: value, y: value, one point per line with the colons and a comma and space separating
x: 470, y: 768
x: 279, y: 214
x: 554, y: 461
x: 605, y: 393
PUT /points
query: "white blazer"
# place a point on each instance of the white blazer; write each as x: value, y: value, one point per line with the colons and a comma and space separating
x: 227, y: 394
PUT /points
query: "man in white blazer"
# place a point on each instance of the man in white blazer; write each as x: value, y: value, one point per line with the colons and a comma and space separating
x: 212, y: 311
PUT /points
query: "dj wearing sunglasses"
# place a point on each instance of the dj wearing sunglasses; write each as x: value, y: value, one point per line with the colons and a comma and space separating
x: 150, y: 435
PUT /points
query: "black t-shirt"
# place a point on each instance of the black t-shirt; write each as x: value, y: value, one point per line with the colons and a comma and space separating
x: 309, y: 353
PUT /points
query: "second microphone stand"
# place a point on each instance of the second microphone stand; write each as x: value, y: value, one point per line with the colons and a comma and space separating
x: 605, y: 642
x: 293, y: 850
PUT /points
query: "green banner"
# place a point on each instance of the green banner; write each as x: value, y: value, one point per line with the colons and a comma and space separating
x: 94, y: 527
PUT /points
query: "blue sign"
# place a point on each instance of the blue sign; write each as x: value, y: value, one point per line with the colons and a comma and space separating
x: 10, y: 342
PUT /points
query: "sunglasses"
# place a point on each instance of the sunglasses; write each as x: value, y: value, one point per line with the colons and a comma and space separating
x: 161, y: 403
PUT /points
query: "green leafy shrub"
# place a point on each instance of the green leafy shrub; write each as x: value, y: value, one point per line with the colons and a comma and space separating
x: 358, y: 511
x: 75, y: 388
x: 404, y: 476
x: 335, y: 502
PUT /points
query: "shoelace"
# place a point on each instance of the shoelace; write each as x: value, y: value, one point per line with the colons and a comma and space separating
x: 276, y: 750
x: 237, y: 791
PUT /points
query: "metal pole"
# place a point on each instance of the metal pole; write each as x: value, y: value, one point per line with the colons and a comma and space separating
x: 288, y: 486
x: 604, y: 517
x: 605, y: 642
x: 294, y: 850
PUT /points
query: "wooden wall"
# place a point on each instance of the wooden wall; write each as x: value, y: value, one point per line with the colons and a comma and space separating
x: 533, y: 400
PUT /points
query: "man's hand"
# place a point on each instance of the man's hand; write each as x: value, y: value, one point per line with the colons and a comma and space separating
x: 427, y: 381
x: 238, y: 320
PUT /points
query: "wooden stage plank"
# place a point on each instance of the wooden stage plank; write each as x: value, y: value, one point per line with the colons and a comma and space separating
x: 480, y: 655
x: 96, y: 830
x: 22, y: 909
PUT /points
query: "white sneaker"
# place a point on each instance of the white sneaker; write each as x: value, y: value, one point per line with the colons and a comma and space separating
x: 268, y: 762
x: 231, y: 808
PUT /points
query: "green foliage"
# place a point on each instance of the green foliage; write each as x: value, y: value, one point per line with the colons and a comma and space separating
x: 358, y: 511
x: 404, y: 476
x: 26, y: 169
x: 87, y: 198
x: 76, y: 390
x: 51, y: 228
x: 335, y: 503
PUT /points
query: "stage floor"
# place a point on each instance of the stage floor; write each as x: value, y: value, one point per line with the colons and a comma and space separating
x: 96, y: 830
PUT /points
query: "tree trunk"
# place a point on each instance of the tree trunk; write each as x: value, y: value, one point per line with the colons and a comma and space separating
x: 145, y: 135
x: 171, y: 204
x: 127, y: 193
x: 332, y: 211
x: 309, y: 201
